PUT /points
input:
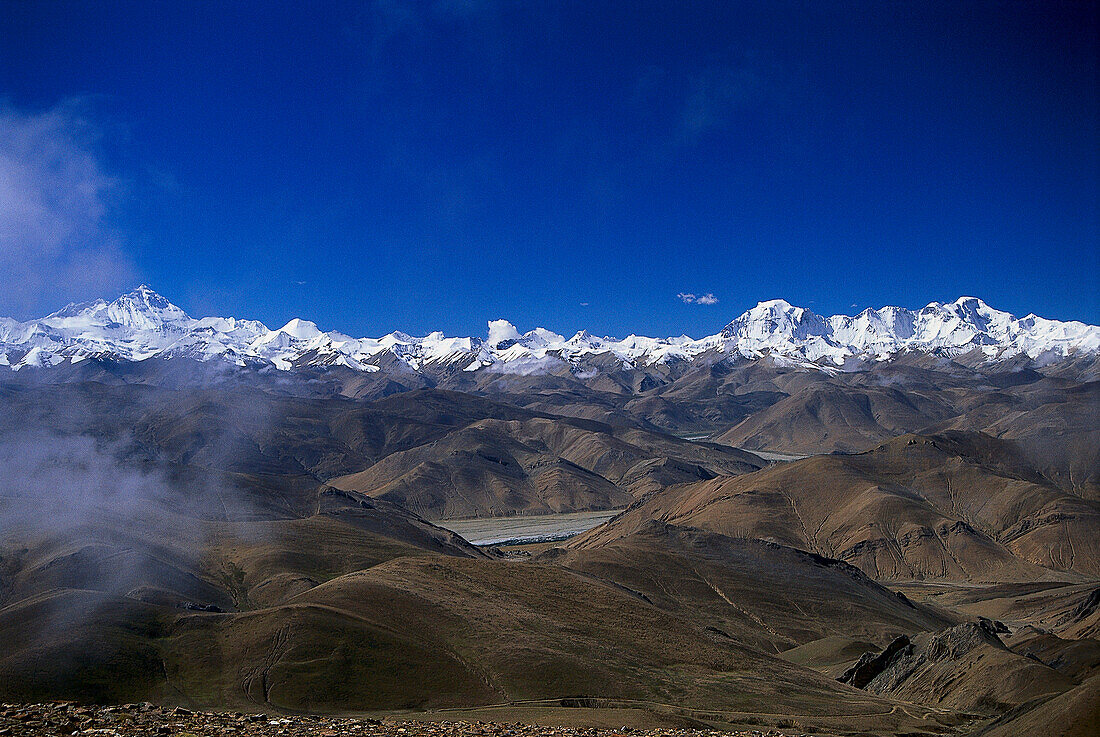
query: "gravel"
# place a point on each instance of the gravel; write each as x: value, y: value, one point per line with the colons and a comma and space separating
x: 63, y: 718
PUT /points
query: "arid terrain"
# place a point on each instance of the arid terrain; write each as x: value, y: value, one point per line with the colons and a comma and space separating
x: 521, y: 368
x: 914, y: 549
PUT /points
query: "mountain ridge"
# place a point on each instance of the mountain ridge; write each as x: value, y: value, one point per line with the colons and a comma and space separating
x: 142, y: 324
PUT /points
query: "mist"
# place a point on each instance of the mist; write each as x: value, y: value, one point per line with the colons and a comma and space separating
x: 98, y: 495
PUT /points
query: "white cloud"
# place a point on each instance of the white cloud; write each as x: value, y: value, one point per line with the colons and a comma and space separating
x: 703, y: 299
x: 57, y: 241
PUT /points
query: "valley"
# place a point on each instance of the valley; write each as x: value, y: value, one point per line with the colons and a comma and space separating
x: 496, y: 368
x: 909, y: 545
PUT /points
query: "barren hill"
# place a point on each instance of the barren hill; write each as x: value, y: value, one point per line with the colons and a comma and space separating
x: 958, y: 506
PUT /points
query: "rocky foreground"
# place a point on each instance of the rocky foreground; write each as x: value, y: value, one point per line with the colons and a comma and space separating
x: 63, y: 718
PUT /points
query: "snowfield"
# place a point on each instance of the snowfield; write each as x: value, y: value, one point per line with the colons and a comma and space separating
x: 142, y: 324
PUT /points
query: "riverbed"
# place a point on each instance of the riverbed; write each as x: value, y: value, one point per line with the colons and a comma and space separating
x: 526, y: 529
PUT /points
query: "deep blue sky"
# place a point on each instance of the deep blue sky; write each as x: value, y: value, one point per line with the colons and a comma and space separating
x: 391, y: 165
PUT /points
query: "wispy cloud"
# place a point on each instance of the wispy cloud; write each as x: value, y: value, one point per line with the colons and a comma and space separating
x: 386, y: 20
x: 57, y: 241
x: 716, y: 97
x: 697, y: 299
x: 717, y: 94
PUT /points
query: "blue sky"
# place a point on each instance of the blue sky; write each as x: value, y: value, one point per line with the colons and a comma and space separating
x: 432, y: 165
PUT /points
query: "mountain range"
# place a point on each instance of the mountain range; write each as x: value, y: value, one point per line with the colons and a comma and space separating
x: 142, y: 324
x: 882, y: 524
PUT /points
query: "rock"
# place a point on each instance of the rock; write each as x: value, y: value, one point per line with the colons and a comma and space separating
x: 132, y: 720
x: 870, y: 664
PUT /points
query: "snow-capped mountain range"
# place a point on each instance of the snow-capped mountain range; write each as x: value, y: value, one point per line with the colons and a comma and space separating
x: 142, y: 324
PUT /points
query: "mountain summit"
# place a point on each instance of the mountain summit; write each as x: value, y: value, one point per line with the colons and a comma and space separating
x: 142, y: 324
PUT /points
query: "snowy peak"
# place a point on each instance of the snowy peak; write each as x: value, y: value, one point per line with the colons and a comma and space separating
x: 774, y: 321
x: 145, y: 299
x: 301, y: 329
x: 142, y: 324
x: 975, y: 312
x: 144, y: 309
x: 141, y: 309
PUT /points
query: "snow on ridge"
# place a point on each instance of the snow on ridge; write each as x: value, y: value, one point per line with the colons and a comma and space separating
x: 142, y: 324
